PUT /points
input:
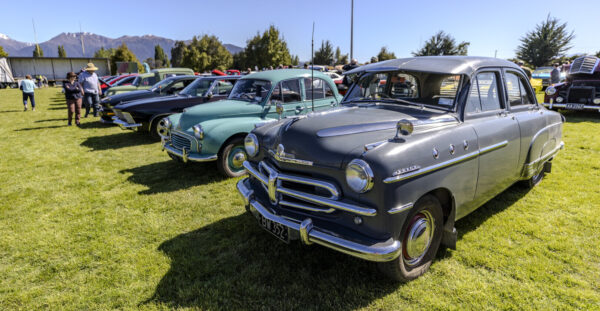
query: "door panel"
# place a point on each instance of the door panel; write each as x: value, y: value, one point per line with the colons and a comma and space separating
x: 322, y: 92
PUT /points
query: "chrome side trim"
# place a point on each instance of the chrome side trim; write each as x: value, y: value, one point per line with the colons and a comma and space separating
x: 185, y: 155
x: 274, y: 186
x: 400, y: 209
x: 529, y: 169
x: 445, y: 164
x: 308, y: 233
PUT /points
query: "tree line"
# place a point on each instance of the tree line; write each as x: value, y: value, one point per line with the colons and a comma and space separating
x: 547, y: 43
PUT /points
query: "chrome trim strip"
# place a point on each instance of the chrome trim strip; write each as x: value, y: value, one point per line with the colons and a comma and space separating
x: 280, y: 158
x: 308, y: 233
x: 445, y: 164
x: 309, y: 208
x: 125, y: 125
x: 400, y: 209
x: 186, y: 155
x: 307, y: 197
x: 564, y: 106
x: 529, y: 169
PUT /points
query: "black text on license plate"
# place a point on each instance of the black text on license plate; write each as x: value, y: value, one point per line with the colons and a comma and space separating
x: 575, y: 106
x: 277, y: 229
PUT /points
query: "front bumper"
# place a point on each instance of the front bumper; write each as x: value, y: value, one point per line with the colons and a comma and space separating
x: 564, y: 106
x: 185, y: 154
x: 309, y: 234
x: 125, y: 125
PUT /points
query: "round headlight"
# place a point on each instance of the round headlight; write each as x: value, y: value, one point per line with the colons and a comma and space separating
x: 198, y: 131
x: 596, y: 101
x: 251, y: 144
x: 550, y: 91
x: 559, y: 99
x: 359, y: 176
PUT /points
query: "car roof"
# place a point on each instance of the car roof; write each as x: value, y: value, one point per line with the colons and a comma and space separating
x: 440, y: 64
x: 283, y: 74
x: 218, y: 77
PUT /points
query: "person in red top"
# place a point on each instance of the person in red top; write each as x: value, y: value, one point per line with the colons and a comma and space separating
x: 73, y: 94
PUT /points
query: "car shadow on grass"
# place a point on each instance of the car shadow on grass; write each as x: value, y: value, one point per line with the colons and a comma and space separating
x: 40, y: 128
x: 115, y: 141
x: 51, y: 120
x: 99, y: 125
x: 158, y: 177
x: 234, y: 264
x: 8, y: 111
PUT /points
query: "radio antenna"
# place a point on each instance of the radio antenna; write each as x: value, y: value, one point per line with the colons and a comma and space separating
x: 312, y: 68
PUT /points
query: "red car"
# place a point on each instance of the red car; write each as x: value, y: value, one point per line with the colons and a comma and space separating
x: 125, y: 79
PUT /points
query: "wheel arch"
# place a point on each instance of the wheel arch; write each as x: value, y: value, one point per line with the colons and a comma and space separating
x: 241, y: 135
x: 447, y: 201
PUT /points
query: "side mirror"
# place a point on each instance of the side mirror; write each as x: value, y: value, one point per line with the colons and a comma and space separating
x: 278, y: 107
x: 209, y: 95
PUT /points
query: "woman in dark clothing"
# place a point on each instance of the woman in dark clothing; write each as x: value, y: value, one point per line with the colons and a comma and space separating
x: 73, y: 93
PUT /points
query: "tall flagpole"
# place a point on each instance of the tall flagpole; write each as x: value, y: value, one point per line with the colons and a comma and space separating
x: 312, y: 68
x: 81, y: 37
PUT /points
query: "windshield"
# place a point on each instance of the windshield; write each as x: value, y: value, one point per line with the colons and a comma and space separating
x: 250, y: 90
x: 542, y: 73
x: 161, y: 85
x: 139, y: 81
x: 197, y: 88
x: 405, y: 87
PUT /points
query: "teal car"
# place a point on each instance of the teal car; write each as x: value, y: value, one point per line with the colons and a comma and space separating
x: 216, y: 131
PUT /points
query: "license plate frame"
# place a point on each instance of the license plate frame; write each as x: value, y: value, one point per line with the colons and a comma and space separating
x: 278, y: 230
x: 575, y: 106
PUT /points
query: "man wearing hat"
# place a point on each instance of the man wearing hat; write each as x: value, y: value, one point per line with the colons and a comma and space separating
x: 91, y: 88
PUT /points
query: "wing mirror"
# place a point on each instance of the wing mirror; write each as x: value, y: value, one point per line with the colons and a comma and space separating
x: 209, y: 95
x: 278, y: 107
x: 404, y: 128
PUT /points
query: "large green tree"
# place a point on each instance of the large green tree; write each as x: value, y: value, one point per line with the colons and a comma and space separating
x: 2, y: 52
x: 295, y: 60
x: 442, y: 44
x: 160, y: 57
x: 61, y: 51
x: 177, y: 53
x: 548, y: 41
x: 270, y: 49
x: 104, y: 53
x: 123, y: 54
x: 340, y: 59
x: 324, y: 55
x: 384, y: 54
x: 37, y: 51
x: 205, y: 54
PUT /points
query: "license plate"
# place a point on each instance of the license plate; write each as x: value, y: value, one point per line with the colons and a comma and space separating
x: 575, y: 106
x: 277, y: 229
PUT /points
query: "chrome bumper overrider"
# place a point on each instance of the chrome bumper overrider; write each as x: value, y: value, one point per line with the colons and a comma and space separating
x: 309, y: 234
x: 185, y: 154
x: 124, y: 125
x: 564, y: 106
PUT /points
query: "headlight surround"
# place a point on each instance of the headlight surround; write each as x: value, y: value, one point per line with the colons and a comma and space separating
x: 198, y: 131
x: 251, y: 144
x: 550, y: 91
x: 359, y: 176
x: 596, y: 101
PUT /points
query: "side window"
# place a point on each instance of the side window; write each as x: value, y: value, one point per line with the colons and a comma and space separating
x: 176, y: 87
x: 483, y: 95
x: 328, y: 90
x: 513, y: 89
x: 224, y: 87
x: 276, y: 95
x: 290, y: 90
x: 314, y: 87
x: 526, y: 96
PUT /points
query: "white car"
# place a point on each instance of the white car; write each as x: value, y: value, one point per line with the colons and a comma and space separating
x: 337, y: 78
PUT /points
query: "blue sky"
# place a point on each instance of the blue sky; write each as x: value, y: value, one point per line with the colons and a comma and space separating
x: 402, y: 26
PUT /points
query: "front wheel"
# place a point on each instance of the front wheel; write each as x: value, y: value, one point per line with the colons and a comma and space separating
x: 420, y: 237
x: 158, y: 128
x: 232, y: 157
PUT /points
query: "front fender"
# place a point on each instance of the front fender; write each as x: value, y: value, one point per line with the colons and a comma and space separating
x: 218, y: 131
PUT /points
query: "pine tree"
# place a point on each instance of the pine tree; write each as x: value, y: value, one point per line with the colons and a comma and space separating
x: 442, y: 44
x: 267, y: 50
x: 61, y: 51
x: 123, y: 54
x: 205, y: 54
x: 324, y: 55
x: 2, y: 52
x: 160, y: 57
x: 37, y: 51
x: 549, y: 40
x: 177, y: 53
x: 384, y: 54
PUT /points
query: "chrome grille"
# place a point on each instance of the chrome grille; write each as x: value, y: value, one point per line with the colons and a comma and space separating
x: 585, y: 64
x: 180, y: 142
x: 301, y: 192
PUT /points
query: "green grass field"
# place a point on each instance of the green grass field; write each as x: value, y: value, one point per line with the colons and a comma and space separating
x: 99, y: 218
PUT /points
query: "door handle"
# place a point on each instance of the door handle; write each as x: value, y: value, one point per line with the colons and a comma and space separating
x: 299, y: 109
x: 332, y: 103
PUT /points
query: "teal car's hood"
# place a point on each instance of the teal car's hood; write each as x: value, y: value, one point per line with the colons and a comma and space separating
x: 217, y: 110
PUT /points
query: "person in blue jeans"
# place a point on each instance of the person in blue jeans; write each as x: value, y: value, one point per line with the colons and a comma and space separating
x: 28, y: 86
x: 91, y: 88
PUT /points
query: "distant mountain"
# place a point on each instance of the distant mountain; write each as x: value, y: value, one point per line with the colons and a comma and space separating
x: 141, y: 46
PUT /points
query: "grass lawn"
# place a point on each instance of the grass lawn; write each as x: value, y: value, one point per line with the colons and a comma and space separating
x: 99, y: 218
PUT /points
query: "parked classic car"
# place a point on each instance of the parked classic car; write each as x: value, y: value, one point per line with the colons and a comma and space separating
x: 581, y: 90
x: 166, y: 87
x: 216, y: 131
x: 385, y: 176
x: 147, y: 80
x: 145, y: 114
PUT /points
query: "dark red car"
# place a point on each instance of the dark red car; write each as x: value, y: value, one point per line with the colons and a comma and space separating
x: 581, y: 90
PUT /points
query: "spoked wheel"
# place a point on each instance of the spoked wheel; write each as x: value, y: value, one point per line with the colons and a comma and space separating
x: 232, y: 157
x: 421, y: 236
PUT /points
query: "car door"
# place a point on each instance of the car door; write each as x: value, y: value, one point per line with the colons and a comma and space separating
x: 322, y: 93
x: 288, y: 93
x: 498, y: 136
x: 524, y: 107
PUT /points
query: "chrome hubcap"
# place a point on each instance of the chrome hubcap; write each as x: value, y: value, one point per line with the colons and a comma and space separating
x: 238, y: 159
x: 161, y: 128
x: 418, y: 238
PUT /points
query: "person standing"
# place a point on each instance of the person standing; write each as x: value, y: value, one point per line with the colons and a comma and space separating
x: 91, y: 89
x: 73, y: 94
x: 27, y: 86
x: 555, y: 74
